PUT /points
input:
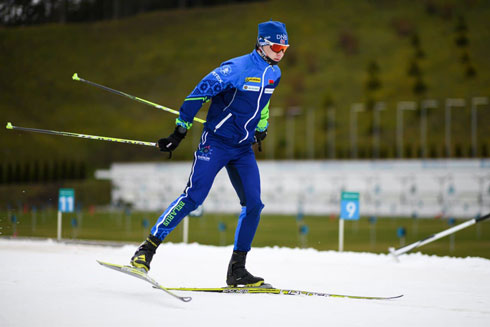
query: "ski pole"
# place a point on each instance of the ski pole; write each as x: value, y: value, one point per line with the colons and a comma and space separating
x: 436, y: 236
x: 132, y: 97
x: 83, y: 136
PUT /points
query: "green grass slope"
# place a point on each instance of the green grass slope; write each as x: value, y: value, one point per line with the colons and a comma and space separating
x: 160, y: 56
x: 274, y: 230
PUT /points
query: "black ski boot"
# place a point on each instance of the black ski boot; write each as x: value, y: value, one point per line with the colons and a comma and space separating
x: 237, y: 274
x: 142, y: 257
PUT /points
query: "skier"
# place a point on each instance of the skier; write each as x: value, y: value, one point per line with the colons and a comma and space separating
x: 240, y: 89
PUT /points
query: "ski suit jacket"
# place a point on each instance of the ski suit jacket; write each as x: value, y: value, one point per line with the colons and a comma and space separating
x: 240, y: 90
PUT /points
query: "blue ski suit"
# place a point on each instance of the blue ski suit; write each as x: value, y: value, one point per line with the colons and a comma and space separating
x: 240, y: 90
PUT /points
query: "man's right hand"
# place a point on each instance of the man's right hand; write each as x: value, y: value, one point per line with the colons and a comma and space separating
x: 170, y: 143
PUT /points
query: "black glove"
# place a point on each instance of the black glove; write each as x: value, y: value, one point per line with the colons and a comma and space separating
x: 170, y: 143
x: 259, y: 137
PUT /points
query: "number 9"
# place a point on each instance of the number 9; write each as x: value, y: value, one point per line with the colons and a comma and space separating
x: 351, y: 208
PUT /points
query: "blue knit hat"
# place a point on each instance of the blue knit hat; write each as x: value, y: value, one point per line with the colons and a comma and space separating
x: 272, y: 31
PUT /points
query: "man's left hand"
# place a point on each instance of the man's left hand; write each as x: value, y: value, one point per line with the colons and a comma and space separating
x: 259, y: 137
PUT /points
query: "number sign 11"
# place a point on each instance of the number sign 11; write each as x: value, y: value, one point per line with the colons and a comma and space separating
x: 66, y: 201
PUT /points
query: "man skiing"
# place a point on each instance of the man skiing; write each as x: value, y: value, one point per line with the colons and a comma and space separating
x: 240, y: 90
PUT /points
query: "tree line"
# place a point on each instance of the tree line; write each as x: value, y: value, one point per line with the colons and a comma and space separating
x: 30, y: 12
x: 42, y: 172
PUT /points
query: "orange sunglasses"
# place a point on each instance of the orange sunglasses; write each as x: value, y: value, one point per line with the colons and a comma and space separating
x: 276, y: 47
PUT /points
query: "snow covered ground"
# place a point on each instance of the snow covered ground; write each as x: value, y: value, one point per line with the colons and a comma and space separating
x: 45, y: 283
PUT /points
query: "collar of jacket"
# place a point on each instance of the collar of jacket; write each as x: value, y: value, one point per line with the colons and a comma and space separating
x: 256, y: 58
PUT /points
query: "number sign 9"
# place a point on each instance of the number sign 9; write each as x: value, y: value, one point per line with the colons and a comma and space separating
x: 349, y: 206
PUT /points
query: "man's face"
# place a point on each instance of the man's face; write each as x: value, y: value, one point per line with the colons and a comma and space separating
x: 276, y: 56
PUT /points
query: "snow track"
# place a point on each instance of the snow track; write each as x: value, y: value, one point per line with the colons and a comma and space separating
x: 45, y: 283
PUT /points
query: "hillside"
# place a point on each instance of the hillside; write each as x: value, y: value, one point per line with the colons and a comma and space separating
x: 160, y: 56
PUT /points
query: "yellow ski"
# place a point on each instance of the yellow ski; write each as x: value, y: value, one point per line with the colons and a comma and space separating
x: 144, y: 276
x: 271, y: 290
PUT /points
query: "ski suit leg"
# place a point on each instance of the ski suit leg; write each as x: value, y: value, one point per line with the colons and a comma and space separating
x: 244, y: 175
x: 204, y: 170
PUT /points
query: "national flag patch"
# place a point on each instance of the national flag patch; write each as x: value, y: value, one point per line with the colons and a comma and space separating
x: 271, y: 81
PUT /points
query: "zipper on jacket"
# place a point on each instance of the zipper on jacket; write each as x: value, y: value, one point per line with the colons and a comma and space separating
x: 222, y: 122
x: 258, y: 104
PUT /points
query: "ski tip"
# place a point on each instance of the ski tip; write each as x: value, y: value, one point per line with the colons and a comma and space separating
x: 9, y: 125
x: 107, y: 264
x: 388, y: 297
x: 182, y: 298
x: 102, y: 263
